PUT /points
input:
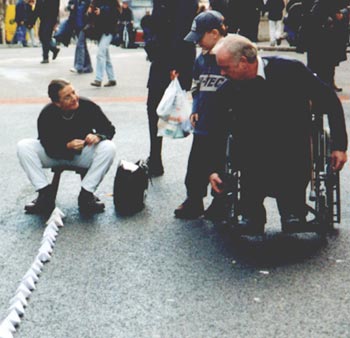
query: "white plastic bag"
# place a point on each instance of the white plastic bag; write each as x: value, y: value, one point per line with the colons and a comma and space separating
x: 174, y: 111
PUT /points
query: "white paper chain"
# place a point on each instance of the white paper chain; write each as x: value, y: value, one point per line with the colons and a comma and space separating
x: 10, y: 323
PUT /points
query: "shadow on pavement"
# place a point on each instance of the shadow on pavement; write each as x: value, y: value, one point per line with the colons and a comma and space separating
x: 274, y: 248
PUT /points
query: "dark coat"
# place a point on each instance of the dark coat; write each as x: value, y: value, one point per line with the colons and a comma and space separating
x: 323, y: 34
x: 21, y: 13
x: 47, y: 11
x: 171, y: 21
x: 106, y: 22
x: 78, y: 14
x: 245, y: 17
x: 275, y: 9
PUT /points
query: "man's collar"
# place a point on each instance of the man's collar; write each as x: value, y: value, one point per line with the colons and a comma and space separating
x: 261, y: 70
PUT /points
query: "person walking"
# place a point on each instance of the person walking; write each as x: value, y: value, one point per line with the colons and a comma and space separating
x: 170, y: 56
x: 47, y: 11
x: 275, y: 8
x: 30, y: 5
x: 82, y: 60
x: 104, y: 14
x: 20, y: 19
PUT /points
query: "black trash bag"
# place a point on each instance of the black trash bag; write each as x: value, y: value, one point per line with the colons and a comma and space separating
x: 130, y: 187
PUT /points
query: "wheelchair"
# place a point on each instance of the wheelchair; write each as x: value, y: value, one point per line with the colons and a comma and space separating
x: 323, y: 201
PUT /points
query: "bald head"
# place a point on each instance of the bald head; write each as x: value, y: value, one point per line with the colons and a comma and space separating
x: 237, y: 57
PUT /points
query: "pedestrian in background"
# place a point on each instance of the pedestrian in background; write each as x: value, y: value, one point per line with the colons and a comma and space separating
x: 275, y: 8
x: 325, y: 36
x: 82, y: 60
x: 146, y: 23
x: 29, y: 23
x: 127, y: 19
x: 20, y: 19
x: 47, y: 11
x: 104, y: 14
x: 169, y: 55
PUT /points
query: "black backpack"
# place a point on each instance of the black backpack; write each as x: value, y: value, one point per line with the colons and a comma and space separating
x: 130, y: 187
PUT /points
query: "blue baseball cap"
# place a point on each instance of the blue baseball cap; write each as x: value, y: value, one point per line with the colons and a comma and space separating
x: 202, y: 23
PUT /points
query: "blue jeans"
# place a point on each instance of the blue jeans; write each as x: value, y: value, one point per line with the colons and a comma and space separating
x: 103, y: 59
x: 82, y: 61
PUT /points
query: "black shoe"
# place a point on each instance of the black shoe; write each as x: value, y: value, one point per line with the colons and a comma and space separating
x: 216, y: 210
x: 247, y: 226
x: 155, y: 169
x: 110, y: 83
x: 96, y: 83
x: 45, y: 61
x: 55, y: 53
x: 89, y: 203
x: 292, y: 223
x: 43, y: 204
x: 190, y: 209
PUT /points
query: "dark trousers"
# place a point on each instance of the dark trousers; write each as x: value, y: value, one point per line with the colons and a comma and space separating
x: 319, y: 64
x: 288, y: 187
x: 197, y: 177
x: 45, y: 35
x: 154, y: 96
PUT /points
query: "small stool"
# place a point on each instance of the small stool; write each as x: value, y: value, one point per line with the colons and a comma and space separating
x: 57, y: 171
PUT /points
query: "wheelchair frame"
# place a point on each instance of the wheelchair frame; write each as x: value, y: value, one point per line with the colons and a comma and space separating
x: 323, y: 190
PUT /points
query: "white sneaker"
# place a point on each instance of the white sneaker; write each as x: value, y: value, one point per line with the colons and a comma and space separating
x: 73, y: 70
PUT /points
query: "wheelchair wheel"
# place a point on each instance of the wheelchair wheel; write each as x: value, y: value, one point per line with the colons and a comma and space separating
x: 326, y: 193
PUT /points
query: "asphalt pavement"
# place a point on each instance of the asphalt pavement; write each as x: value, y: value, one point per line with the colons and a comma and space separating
x: 151, y: 275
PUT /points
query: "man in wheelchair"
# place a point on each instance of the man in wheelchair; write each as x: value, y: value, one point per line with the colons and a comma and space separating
x: 270, y: 120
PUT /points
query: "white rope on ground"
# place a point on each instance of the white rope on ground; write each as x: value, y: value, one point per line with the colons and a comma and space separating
x: 10, y: 323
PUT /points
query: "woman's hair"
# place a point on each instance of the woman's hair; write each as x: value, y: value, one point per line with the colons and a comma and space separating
x: 54, y: 87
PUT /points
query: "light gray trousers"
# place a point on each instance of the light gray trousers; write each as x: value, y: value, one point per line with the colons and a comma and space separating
x: 98, y: 158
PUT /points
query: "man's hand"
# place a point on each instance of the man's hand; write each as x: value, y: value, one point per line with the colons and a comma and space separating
x: 216, y: 183
x: 194, y: 118
x: 91, y: 139
x: 76, y: 144
x: 173, y: 74
x: 338, y: 158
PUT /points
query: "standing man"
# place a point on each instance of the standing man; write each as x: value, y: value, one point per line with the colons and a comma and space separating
x: 72, y: 131
x: 275, y: 14
x: 47, y: 11
x: 104, y: 15
x: 127, y: 19
x: 170, y: 56
x: 271, y: 123
x: 325, y: 36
